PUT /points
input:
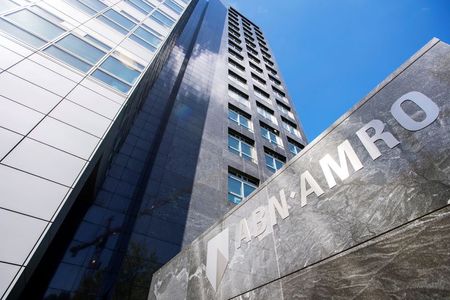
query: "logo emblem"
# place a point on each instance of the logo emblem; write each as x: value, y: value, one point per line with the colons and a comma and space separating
x: 217, y: 258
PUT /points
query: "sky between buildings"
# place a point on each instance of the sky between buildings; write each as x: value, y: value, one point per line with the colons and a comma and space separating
x: 333, y: 52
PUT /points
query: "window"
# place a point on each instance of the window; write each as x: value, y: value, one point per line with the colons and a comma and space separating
x: 240, y: 145
x: 239, y: 117
x: 250, y: 43
x: 285, y: 109
x: 146, y: 38
x: 266, y: 113
x: 173, y: 6
x: 31, y: 27
x: 271, y: 70
x: 98, y: 43
x: 7, y: 4
x: 236, y: 65
x: 294, y: 147
x: 250, y: 50
x: 254, y: 58
x: 235, y: 54
x: 116, y: 74
x: 274, y: 80
x: 249, y: 36
x: 162, y: 19
x: 240, y: 186
x: 91, y: 7
x: 261, y: 94
x: 265, y: 54
x: 290, y: 127
x: 75, y: 52
x: 238, y: 95
x: 255, y: 67
x: 234, y: 32
x: 117, y: 21
x: 264, y: 48
x: 234, y: 39
x: 274, y: 161
x: 279, y: 93
x: 258, y: 79
x: 271, y: 135
x: 141, y: 5
x: 237, y: 79
x: 234, y: 46
x: 268, y: 61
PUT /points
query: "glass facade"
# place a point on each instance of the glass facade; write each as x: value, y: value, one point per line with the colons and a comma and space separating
x: 147, y: 128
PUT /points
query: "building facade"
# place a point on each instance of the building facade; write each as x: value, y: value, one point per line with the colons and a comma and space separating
x: 127, y: 128
x: 363, y: 212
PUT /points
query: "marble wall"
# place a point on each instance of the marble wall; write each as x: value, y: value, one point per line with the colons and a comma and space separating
x: 382, y: 232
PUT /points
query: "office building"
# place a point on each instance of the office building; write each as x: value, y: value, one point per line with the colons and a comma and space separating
x: 127, y: 128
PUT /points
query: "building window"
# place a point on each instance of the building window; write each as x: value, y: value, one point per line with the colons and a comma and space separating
x: 285, y: 109
x: 294, y: 147
x: 274, y: 80
x: 162, y: 19
x: 146, y: 37
x: 261, y: 94
x: 240, y: 145
x: 141, y: 5
x: 255, y: 59
x: 240, y: 186
x: 76, y: 52
x: 239, y: 117
x: 274, y: 161
x: 266, y: 113
x: 91, y: 7
x: 173, y: 6
x: 32, y: 26
x: 255, y: 67
x: 258, y: 79
x: 267, y: 61
x: 290, y: 127
x: 271, y: 135
x: 116, y: 74
x: 235, y: 54
x: 237, y: 79
x: 234, y: 46
x: 236, y: 65
x: 238, y: 95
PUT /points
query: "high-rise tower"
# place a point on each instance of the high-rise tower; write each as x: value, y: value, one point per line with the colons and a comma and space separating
x: 127, y: 128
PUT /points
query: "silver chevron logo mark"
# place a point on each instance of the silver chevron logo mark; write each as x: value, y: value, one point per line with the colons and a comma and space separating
x: 217, y: 258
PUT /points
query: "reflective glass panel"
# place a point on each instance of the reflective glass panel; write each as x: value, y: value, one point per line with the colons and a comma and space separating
x: 141, y: 5
x: 113, y: 25
x: 20, y: 34
x: 234, y: 185
x: 162, y: 18
x: 115, y: 83
x: 148, y: 36
x: 173, y: 6
x: 120, y: 19
x: 81, y: 48
x: 248, y: 189
x: 119, y: 69
x: 141, y: 42
x: 67, y: 58
x: 35, y: 24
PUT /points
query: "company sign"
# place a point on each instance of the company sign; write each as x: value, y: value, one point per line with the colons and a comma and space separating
x: 260, y: 223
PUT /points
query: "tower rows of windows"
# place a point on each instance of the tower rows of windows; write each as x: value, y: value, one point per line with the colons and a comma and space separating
x: 252, y: 75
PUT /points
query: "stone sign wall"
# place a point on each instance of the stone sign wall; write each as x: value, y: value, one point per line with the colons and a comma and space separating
x: 362, y: 210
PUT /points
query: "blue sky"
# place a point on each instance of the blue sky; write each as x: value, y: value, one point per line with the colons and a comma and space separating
x: 332, y: 53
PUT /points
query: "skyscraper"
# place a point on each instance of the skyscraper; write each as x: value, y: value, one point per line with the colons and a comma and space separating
x: 127, y: 128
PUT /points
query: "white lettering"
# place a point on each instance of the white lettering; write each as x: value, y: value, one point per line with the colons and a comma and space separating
x: 369, y: 141
x: 315, y: 188
x: 426, y: 104
x: 282, y: 208
x: 242, y: 233
x: 345, y: 150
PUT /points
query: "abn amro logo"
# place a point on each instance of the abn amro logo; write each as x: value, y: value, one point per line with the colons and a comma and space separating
x: 217, y: 258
